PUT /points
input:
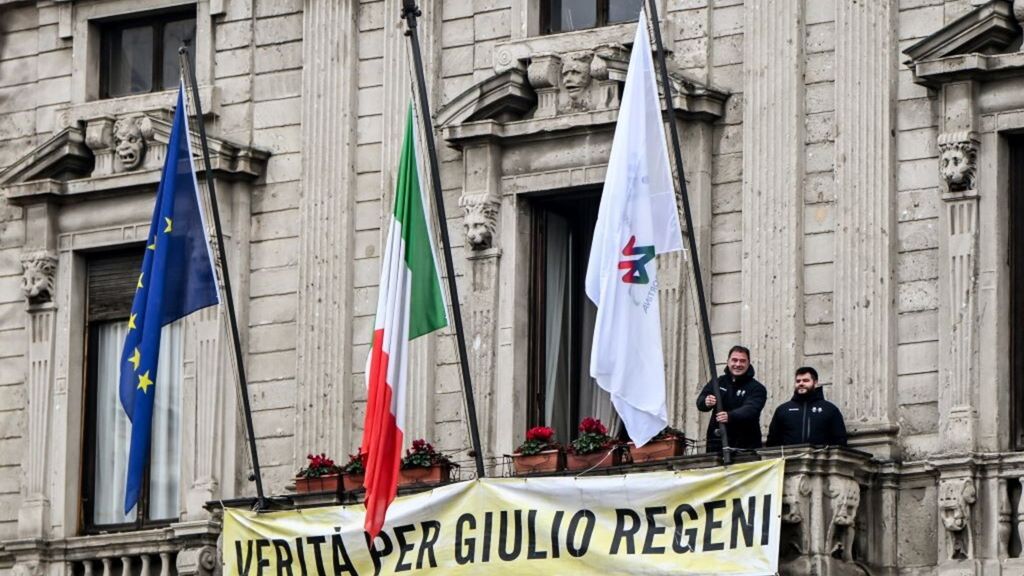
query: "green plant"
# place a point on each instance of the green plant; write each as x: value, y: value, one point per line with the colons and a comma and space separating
x: 423, y: 455
x: 593, y: 437
x: 319, y: 465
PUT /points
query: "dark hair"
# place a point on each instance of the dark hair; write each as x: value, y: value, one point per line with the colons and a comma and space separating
x: 738, y: 348
x: 807, y: 370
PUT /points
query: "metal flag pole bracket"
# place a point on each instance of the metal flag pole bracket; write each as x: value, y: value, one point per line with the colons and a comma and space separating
x: 409, y: 13
x: 666, y: 83
x: 190, y: 79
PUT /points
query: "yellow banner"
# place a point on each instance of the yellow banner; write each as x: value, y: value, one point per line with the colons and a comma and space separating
x: 710, y: 521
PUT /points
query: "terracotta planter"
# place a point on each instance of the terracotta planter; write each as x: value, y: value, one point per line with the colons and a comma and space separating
x: 599, y: 459
x: 352, y: 482
x: 546, y: 461
x: 657, y: 450
x: 436, y: 474
x: 328, y: 483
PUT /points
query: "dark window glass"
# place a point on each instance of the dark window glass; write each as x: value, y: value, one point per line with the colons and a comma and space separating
x: 569, y: 15
x: 1016, y: 312
x: 111, y: 282
x: 141, y: 55
x: 176, y: 34
x: 623, y: 10
x: 562, y: 318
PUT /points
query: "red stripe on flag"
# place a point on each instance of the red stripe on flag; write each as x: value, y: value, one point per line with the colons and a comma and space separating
x: 382, y: 440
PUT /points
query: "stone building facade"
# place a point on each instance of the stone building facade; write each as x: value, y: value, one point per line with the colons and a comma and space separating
x: 854, y: 169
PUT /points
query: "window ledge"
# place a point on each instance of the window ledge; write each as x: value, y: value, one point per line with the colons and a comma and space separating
x: 134, y: 104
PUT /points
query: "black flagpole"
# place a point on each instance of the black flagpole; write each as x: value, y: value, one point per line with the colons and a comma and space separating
x: 691, y: 236
x: 228, y: 296
x: 410, y: 12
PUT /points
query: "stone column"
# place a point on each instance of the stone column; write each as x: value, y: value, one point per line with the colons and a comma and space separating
x: 212, y: 381
x: 39, y: 271
x: 481, y: 188
x: 325, y: 279
x: 773, y: 167
x: 958, y: 313
x: 865, y: 228
x: 39, y: 267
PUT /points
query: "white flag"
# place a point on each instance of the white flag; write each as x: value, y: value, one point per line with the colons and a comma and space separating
x: 637, y: 220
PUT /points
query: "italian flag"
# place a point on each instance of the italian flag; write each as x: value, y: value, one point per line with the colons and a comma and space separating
x: 409, y: 305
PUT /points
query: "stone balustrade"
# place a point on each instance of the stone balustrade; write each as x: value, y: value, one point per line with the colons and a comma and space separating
x: 180, y: 549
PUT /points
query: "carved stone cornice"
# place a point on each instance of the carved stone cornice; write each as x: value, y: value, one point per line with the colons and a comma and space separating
x: 93, y: 159
x: 971, y: 46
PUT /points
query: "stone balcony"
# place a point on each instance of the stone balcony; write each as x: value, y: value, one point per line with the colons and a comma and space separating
x: 842, y: 514
x: 180, y: 549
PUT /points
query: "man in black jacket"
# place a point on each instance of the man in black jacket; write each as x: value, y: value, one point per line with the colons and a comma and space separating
x: 743, y: 398
x: 808, y: 418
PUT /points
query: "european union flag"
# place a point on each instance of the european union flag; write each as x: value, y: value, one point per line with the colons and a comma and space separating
x: 177, y: 279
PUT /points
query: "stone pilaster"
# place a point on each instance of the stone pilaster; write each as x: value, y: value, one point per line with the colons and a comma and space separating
x: 325, y: 282
x: 212, y: 380
x: 865, y: 226
x: 773, y: 166
x: 39, y: 273
x: 958, y: 328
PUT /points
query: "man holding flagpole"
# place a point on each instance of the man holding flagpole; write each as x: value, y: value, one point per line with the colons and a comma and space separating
x: 638, y: 219
x: 177, y: 278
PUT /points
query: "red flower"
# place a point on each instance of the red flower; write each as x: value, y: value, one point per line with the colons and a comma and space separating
x: 540, y: 434
x: 593, y: 426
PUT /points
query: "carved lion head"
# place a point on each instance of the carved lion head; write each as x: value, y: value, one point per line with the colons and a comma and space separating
x: 845, y: 495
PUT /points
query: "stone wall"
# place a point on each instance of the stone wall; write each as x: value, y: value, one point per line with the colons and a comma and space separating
x: 825, y: 223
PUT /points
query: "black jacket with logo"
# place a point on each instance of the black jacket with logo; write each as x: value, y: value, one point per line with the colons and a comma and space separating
x: 807, y: 419
x: 743, y: 397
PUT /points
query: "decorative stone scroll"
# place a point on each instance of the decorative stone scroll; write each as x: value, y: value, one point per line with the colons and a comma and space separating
x: 38, y: 270
x: 958, y: 160
x: 845, y: 495
x: 956, y: 500
x: 795, y: 515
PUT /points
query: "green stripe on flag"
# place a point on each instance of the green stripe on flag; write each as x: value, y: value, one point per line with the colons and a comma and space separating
x: 426, y: 312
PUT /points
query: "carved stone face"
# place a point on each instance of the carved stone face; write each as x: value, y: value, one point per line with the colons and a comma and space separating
x: 953, y: 507
x: 479, y: 220
x: 576, y: 72
x: 129, y: 142
x: 37, y: 277
x: 791, y: 513
x: 957, y: 167
x: 846, y: 504
x: 478, y: 232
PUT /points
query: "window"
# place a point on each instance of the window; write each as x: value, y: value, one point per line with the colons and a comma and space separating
x: 1016, y: 248
x: 562, y: 318
x: 141, y: 55
x: 111, y: 280
x: 569, y: 15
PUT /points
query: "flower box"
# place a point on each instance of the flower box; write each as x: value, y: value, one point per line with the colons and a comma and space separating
x: 601, y: 459
x: 352, y: 482
x: 436, y: 474
x: 546, y: 461
x: 325, y: 483
x: 657, y: 450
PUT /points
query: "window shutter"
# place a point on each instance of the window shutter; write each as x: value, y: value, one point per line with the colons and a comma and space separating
x: 112, y: 279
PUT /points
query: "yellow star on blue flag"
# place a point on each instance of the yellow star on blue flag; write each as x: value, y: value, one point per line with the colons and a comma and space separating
x: 176, y: 279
